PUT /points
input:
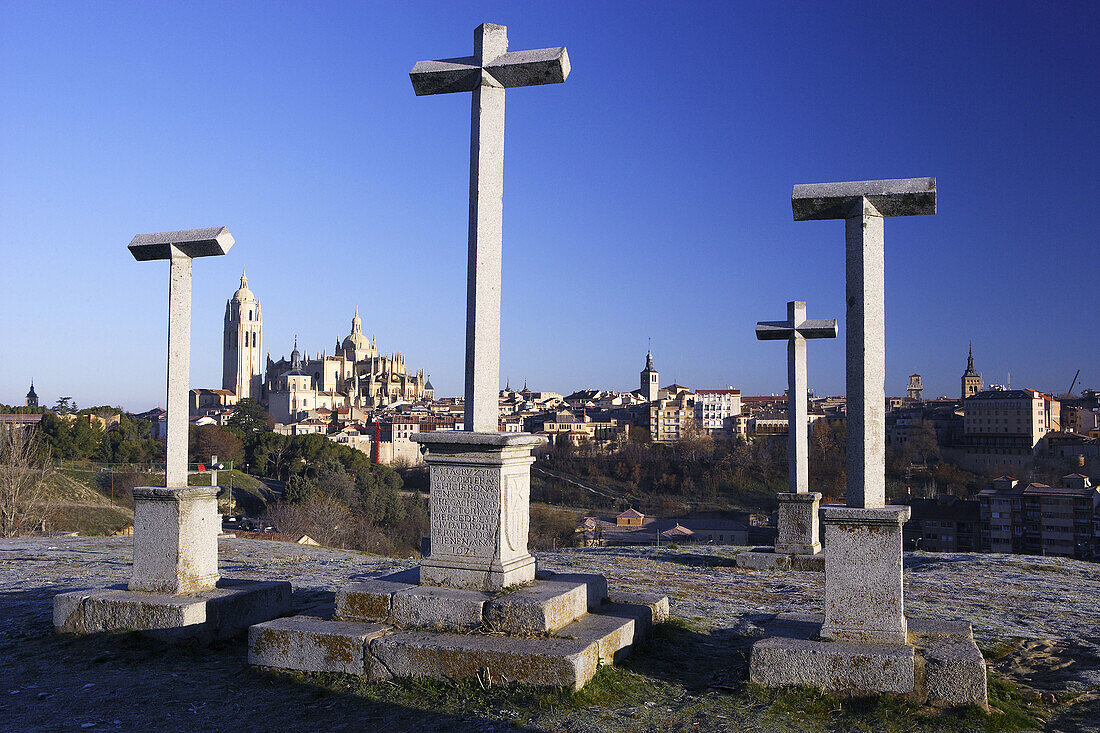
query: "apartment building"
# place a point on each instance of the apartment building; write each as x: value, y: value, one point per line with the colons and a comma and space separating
x: 716, y: 410
x: 1002, y: 427
x: 1038, y: 519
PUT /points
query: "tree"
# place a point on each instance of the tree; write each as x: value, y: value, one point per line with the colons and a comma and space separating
x: 922, y: 447
x: 24, y: 503
x: 64, y: 405
x: 298, y: 489
x: 249, y: 416
x: 213, y: 440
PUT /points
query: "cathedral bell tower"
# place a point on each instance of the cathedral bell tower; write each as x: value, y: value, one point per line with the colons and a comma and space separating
x: 971, y: 380
x: 242, y: 349
x: 649, y: 386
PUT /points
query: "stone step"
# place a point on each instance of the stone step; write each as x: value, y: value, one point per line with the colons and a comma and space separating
x: 310, y: 644
x: 615, y: 628
x: 441, y: 608
x: 544, y: 606
x: 657, y: 603
x: 597, y: 584
x: 540, y: 662
x: 379, y: 651
x: 218, y: 613
x: 371, y: 600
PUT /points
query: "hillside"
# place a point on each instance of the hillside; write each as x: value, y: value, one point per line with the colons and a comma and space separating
x: 1035, y: 617
x: 96, y: 503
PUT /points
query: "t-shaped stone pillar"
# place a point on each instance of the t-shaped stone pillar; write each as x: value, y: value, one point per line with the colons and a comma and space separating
x: 487, y: 74
x: 480, y: 479
x: 864, y: 592
x: 797, y: 524
x: 176, y: 526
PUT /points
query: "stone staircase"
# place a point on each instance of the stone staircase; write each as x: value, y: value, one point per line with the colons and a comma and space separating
x: 553, y: 632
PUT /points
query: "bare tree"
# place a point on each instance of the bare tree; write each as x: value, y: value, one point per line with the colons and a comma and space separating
x: 324, y: 518
x: 24, y: 501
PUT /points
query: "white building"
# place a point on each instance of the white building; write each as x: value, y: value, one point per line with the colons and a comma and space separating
x: 716, y: 410
x: 1002, y: 427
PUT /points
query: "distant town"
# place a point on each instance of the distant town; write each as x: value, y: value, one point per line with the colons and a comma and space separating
x: 1025, y: 460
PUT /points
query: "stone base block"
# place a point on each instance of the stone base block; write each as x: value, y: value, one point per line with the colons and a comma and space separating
x: 797, y: 524
x: 313, y: 645
x: 864, y: 596
x: 596, y: 583
x: 569, y: 658
x: 851, y: 669
x: 954, y: 668
x: 655, y: 602
x: 219, y: 613
x: 472, y: 575
x: 175, y: 539
x: 441, y: 608
x: 942, y: 666
x: 766, y: 559
x: 372, y: 600
x: 541, y: 662
x: 542, y: 607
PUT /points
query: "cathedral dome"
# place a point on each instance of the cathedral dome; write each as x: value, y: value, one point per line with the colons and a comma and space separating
x: 243, y: 293
x: 356, y: 339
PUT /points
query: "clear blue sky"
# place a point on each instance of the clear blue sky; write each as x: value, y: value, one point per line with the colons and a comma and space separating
x: 648, y: 196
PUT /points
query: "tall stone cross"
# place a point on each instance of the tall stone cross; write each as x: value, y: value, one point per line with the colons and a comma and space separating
x: 795, y: 330
x: 179, y: 248
x: 863, y: 205
x: 487, y: 73
x: 864, y: 582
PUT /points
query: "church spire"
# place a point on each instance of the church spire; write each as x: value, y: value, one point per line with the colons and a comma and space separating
x: 295, y: 357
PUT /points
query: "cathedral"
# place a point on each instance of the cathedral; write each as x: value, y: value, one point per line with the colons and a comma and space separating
x: 355, y: 375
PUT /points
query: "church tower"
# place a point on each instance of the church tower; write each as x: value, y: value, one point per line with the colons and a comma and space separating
x: 32, y: 397
x: 649, y: 379
x: 242, y: 349
x: 915, y: 392
x: 971, y: 380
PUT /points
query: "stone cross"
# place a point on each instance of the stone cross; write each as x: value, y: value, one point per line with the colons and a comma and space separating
x: 795, y: 330
x: 487, y: 73
x: 179, y: 248
x: 863, y: 204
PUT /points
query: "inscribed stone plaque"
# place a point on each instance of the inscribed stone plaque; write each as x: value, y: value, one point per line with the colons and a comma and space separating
x: 465, y: 510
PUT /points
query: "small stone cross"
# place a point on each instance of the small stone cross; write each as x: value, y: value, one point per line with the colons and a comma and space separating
x: 179, y: 248
x: 487, y: 73
x: 863, y: 204
x: 796, y: 329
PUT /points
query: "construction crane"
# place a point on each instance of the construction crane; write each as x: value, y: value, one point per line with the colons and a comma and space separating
x: 1073, y: 383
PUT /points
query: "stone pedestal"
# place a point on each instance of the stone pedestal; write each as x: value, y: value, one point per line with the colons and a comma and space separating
x: 797, y: 524
x: 941, y: 665
x: 175, y: 592
x: 864, y: 597
x: 480, y: 509
x: 175, y: 539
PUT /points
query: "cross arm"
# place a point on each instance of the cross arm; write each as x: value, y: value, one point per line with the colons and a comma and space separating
x: 530, y: 68
x: 773, y: 330
x: 192, y: 242
x: 818, y: 328
x: 445, y: 76
x: 891, y: 197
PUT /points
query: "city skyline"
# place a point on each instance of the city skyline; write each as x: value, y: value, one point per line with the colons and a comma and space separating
x: 647, y: 198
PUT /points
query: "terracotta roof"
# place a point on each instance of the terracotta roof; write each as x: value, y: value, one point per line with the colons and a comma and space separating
x: 632, y: 514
